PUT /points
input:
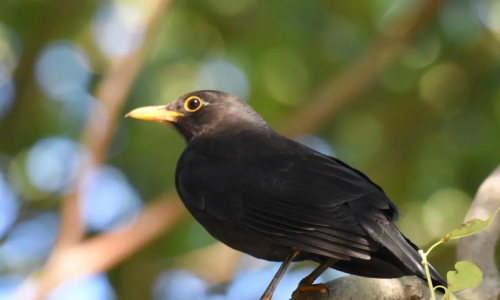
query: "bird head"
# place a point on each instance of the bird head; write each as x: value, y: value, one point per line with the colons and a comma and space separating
x: 203, y: 113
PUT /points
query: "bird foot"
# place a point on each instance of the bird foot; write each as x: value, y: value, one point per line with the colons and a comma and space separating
x: 321, y: 288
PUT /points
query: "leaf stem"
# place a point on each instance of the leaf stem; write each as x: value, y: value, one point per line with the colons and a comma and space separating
x: 433, y: 246
x: 427, y: 273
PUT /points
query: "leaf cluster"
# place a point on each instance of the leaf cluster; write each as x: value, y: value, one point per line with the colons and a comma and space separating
x: 467, y: 275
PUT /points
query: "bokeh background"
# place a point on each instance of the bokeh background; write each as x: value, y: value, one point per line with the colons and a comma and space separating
x: 406, y: 91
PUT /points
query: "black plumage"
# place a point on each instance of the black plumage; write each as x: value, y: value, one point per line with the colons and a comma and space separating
x: 268, y: 196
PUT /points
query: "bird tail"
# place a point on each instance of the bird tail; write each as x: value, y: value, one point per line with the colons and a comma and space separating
x: 405, y: 253
x: 435, y: 277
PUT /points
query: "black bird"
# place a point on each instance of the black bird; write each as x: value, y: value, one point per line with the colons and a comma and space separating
x: 276, y: 199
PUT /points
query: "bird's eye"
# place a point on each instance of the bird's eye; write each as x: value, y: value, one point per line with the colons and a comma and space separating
x: 193, y: 104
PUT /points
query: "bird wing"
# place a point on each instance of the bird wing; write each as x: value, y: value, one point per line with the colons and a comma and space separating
x: 300, y: 199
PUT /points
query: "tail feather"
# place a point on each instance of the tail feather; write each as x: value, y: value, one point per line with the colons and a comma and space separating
x: 404, y: 252
x: 435, y: 277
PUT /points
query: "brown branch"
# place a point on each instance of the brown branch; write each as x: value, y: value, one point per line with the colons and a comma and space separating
x: 69, y: 257
x: 71, y: 230
x: 100, y: 126
x: 480, y: 248
x: 335, y: 93
x: 104, y: 251
x: 116, y: 85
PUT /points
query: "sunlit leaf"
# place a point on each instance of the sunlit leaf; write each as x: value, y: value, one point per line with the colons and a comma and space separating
x: 466, y: 276
x: 469, y: 228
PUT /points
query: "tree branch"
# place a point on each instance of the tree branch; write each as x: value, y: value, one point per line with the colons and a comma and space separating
x: 355, y: 287
x: 480, y: 248
x: 100, y: 126
x: 87, y: 258
x: 70, y: 257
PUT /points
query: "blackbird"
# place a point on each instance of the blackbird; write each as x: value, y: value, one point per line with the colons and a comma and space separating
x: 276, y: 199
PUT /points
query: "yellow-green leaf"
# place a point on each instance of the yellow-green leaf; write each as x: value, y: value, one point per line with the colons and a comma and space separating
x: 466, y: 276
x: 469, y: 228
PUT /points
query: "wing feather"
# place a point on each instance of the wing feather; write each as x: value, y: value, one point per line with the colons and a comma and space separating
x: 299, y: 200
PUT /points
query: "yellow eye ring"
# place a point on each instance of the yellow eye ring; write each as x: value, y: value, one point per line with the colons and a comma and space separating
x: 193, y: 104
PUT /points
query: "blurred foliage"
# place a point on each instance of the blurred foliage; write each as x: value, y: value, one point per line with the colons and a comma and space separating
x: 428, y: 130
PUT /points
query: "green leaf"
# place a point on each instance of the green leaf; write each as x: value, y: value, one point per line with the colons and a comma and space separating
x: 472, y: 227
x: 466, y: 276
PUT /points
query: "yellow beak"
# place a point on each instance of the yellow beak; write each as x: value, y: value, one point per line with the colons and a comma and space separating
x: 155, y: 113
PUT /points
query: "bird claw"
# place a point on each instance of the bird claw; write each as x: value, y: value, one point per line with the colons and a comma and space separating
x: 321, y: 288
x: 306, y: 282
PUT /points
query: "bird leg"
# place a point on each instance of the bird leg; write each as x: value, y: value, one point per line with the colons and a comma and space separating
x: 268, y: 294
x: 306, y: 284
